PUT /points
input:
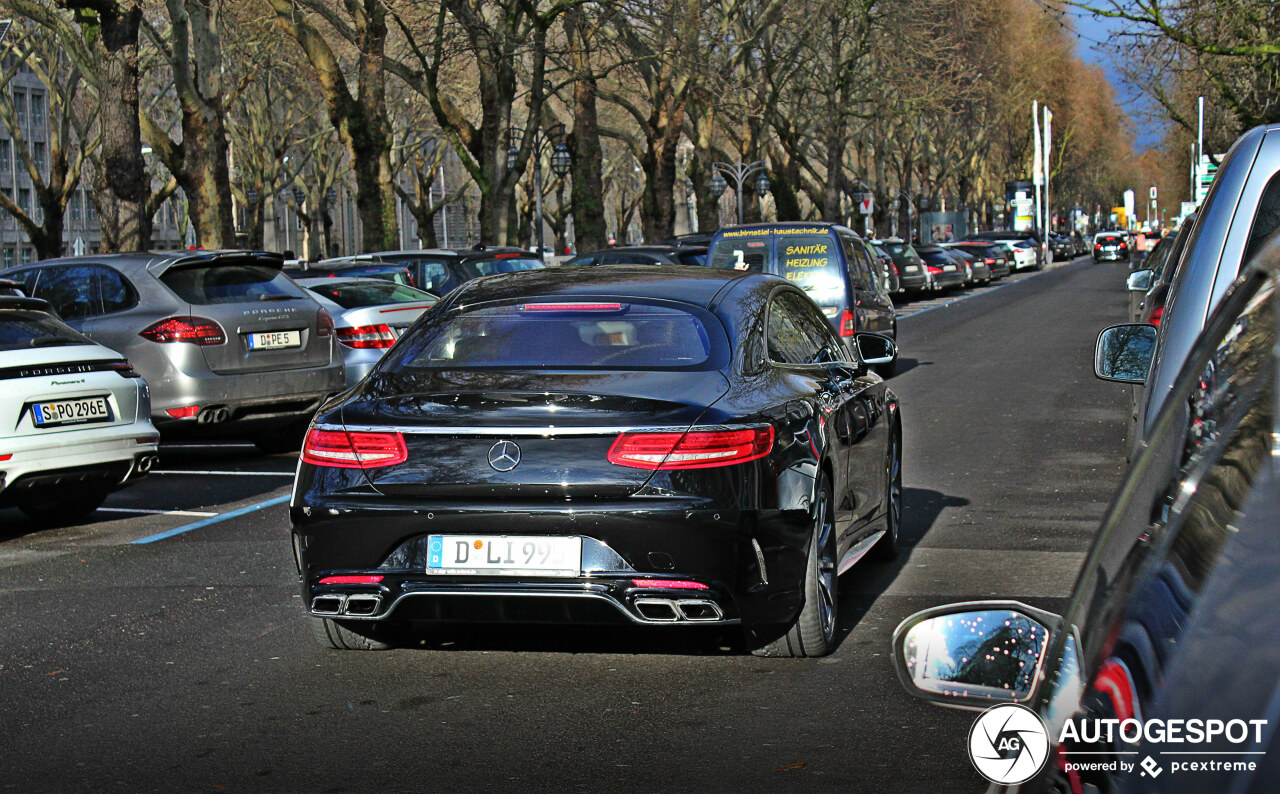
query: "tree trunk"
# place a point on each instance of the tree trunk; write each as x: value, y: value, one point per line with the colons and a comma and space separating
x: 121, y: 186
x: 588, y: 156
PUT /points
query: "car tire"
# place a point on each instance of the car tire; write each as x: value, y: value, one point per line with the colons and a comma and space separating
x: 814, y: 632
x: 886, y: 549
x: 352, y: 635
x: 56, y: 507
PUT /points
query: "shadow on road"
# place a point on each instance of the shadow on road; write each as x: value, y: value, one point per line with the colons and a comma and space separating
x: 685, y: 641
x: 908, y: 364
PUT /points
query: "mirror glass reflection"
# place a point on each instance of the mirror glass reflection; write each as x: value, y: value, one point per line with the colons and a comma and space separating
x: 990, y: 654
x: 1124, y: 352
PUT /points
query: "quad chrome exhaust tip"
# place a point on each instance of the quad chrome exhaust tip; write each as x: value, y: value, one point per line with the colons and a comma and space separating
x: 678, y: 610
x: 355, y: 605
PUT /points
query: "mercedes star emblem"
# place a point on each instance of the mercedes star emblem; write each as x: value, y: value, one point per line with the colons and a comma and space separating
x: 504, y: 456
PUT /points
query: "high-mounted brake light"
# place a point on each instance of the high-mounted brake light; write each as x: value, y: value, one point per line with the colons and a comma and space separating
x: 696, y: 449
x: 848, y: 323
x: 365, y: 337
x: 507, y: 256
x: 405, y: 308
x: 571, y: 307
x: 196, y: 330
x: 353, y: 450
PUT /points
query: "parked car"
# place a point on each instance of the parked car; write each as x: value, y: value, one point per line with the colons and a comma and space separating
x: 695, y: 239
x: 474, y: 453
x: 888, y: 271
x: 1172, y: 622
x: 1024, y: 247
x: 995, y: 256
x: 976, y: 270
x: 1149, y: 287
x: 643, y: 255
x: 76, y: 416
x: 436, y: 270
x: 945, y: 271
x: 829, y: 262
x: 369, y: 315
x: 912, y: 276
x: 1240, y: 213
x: 385, y: 271
x: 1110, y: 247
x: 230, y: 346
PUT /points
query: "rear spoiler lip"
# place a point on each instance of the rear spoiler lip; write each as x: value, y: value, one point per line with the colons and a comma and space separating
x: 27, y: 304
x: 261, y: 258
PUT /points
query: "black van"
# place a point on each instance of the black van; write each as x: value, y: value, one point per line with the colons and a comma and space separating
x: 830, y: 262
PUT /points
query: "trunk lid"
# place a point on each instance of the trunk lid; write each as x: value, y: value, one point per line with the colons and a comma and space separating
x: 562, y: 422
x: 270, y: 323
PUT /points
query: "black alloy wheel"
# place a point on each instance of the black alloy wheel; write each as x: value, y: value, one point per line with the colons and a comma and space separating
x: 814, y: 632
x: 886, y: 549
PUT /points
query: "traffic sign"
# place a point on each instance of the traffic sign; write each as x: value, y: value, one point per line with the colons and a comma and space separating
x: 866, y: 205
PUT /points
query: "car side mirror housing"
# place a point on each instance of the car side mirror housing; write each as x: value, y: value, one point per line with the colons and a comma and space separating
x: 875, y: 349
x: 974, y: 654
x: 1124, y: 352
x: 1140, y: 280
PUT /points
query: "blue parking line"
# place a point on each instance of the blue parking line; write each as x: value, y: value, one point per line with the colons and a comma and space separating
x: 168, y: 533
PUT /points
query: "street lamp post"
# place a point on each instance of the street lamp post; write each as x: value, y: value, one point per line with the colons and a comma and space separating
x: 561, y: 162
x: 739, y: 172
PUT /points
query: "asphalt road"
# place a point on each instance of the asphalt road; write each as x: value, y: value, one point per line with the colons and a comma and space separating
x: 184, y: 662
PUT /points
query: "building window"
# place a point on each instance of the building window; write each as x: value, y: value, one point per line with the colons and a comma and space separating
x: 73, y: 208
x: 8, y: 256
x: 5, y: 162
x: 20, y: 108
x: 37, y: 110
x: 28, y: 254
x: 40, y: 153
x: 24, y: 199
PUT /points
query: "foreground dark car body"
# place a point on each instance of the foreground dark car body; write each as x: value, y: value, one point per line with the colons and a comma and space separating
x: 1172, y: 620
x: 703, y: 544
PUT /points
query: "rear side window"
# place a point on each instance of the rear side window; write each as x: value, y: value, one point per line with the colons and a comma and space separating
x: 20, y: 330
x: 354, y: 295
x: 579, y: 335
x: 1267, y: 220
x: 205, y: 285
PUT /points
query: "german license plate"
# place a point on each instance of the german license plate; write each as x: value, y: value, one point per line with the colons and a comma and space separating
x: 71, y: 412
x: 504, y: 555
x: 912, y: 268
x: 949, y: 268
x: 274, y: 340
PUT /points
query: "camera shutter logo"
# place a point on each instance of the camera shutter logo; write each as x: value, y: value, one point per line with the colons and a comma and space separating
x: 1008, y: 744
x: 504, y: 456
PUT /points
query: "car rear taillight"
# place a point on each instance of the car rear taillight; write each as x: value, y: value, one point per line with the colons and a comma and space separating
x: 989, y: 262
x: 669, y: 584
x: 1157, y: 314
x: 324, y: 323
x: 848, y: 323
x: 124, y: 368
x: 353, y: 450
x: 1097, y: 247
x: 696, y: 449
x: 196, y: 330
x: 185, y: 412
x: 366, y: 337
x: 359, y: 579
x: 933, y: 269
x: 1123, y: 247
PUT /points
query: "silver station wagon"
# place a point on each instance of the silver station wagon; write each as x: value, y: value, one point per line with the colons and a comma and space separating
x: 230, y: 346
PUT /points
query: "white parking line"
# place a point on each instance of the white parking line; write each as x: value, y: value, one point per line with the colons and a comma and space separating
x: 196, y: 513
x: 231, y: 473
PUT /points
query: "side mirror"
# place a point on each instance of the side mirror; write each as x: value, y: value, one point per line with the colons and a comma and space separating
x: 875, y: 349
x: 1140, y: 280
x: 1124, y: 352
x: 973, y: 654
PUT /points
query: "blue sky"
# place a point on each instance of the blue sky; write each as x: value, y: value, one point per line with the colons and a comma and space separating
x: 1093, y: 30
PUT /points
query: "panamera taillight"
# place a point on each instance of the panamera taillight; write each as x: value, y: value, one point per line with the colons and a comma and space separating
x: 353, y: 450
x: 367, y: 337
x: 696, y: 449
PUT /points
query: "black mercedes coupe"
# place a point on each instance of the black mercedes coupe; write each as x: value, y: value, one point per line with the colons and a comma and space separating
x: 652, y: 446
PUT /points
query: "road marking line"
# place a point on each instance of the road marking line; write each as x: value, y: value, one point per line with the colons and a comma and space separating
x: 231, y: 473
x: 198, y: 524
x: 987, y: 290
x: 196, y: 513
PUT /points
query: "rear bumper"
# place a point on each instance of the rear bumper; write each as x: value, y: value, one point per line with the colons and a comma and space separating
x: 914, y: 281
x: 720, y: 549
x: 112, y: 457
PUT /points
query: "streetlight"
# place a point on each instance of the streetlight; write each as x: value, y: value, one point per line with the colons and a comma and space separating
x: 561, y: 163
x: 739, y: 172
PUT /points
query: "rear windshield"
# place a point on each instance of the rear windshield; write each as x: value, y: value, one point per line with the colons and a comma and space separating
x: 580, y: 335
x: 698, y: 258
x: 489, y: 267
x: 206, y: 285
x: 809, y: 261
x: 356, y: 295
x: 902, y: 253
x: 1110, y: 239
x: 22, y: 330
